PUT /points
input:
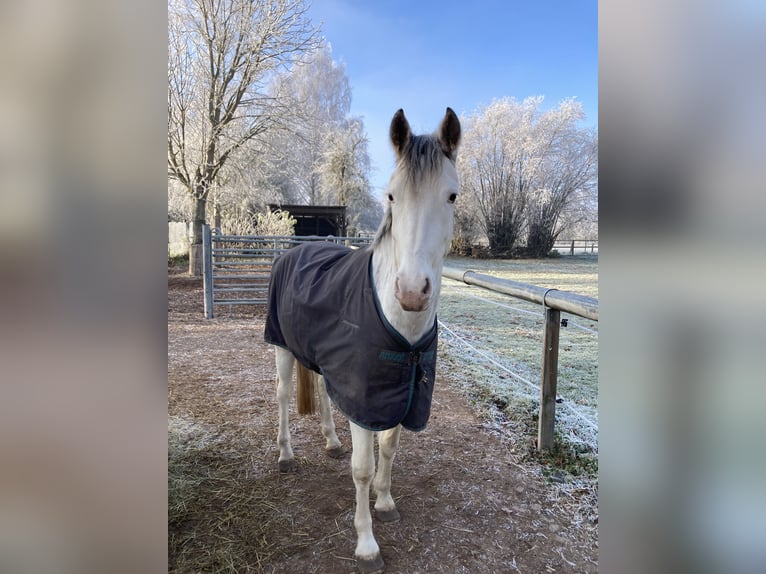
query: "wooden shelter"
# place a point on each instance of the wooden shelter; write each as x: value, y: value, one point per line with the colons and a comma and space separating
x: 321, y: 220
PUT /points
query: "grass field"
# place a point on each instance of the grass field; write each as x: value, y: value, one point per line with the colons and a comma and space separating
x: 492, y: 347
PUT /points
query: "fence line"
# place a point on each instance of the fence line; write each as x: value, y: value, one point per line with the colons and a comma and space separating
x: 577, y: 244
x: 554, y: 302
x: 527, y: 382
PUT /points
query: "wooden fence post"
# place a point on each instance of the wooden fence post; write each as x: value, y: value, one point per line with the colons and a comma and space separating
x: 549, y: 379
x: 207, y: 270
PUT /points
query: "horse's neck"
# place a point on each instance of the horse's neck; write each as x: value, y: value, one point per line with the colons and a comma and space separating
x: 412, y: 325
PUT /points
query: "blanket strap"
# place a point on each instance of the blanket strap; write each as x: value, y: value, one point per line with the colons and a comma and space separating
x: 404, y: 358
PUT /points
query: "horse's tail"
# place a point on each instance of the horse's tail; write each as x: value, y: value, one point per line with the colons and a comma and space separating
x: 306, y: 390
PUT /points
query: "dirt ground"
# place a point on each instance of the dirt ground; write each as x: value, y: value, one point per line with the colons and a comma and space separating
x: 468, y: 503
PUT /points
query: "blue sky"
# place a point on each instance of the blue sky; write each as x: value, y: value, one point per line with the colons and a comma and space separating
x: 425, y: 55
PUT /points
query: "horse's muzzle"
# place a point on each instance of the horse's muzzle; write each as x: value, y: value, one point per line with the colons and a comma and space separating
x: 416, y: 299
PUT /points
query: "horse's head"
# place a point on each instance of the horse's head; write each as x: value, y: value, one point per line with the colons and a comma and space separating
x: 420, y: 207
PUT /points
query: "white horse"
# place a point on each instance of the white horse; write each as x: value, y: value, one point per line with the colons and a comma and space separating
x: 405, y: 265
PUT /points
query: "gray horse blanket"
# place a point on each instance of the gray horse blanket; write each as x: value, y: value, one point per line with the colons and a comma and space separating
x: 323, y: 308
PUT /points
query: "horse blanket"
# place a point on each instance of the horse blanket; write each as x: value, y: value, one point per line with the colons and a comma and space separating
x: 323, y: 308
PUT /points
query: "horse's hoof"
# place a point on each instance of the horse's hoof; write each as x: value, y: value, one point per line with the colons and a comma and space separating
x: 288, y: 465
x: 336, y: 452
x: 370, y: 566
x: 387, y: 515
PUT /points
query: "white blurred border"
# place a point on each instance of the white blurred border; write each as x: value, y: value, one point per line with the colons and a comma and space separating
x: 82, y: 295
x: 682, y: 257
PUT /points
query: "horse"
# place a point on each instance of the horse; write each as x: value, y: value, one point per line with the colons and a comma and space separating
x: 361, y: 324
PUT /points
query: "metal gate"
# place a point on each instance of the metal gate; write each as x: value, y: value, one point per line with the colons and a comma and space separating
x: 236, y: 268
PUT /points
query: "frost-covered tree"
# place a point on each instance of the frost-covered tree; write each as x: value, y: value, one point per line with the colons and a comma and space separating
x: 344, y: 176
x: 221, y: 56
x: 256, y: 178
x: 580, y: 221
x: 497, y: 166
x: 567, y: 179
x: 522, y: 168
x: 265, y: 222
x: 322, y: 154
x: 320, y: 96
x: 179, y: 203
x: 318, y: 155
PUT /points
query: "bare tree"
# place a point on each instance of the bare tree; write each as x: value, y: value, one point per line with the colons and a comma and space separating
x: 221, y: 55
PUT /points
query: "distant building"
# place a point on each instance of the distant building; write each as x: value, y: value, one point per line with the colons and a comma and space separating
x: 321, y: 220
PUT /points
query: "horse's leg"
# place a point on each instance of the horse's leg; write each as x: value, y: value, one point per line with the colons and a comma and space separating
x: 333, y: 446
x: 385, y: 508
x: 367, y: 552
x: 285, y: 364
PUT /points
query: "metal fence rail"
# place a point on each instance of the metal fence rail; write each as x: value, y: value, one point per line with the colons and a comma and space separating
x: 573, y: 303
x: 555, y: 302
x: 236, y: 268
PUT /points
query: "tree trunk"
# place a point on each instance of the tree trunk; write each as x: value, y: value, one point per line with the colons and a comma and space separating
x: 195, y: 249
x: 502, y: 232
x: 540, y: 241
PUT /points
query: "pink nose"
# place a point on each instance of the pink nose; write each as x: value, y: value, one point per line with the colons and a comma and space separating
x: 413, y: 297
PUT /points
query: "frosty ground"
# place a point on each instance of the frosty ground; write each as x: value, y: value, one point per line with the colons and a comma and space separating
x: 473, y: 495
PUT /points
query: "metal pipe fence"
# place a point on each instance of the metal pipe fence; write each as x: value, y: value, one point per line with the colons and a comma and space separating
x: 554, y: 301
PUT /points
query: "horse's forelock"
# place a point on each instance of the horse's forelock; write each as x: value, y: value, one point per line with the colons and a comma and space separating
x: 422, y: 159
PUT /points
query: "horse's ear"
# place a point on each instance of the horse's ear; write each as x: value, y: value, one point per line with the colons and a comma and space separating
x: 449, y: 133
x: 400, y: 133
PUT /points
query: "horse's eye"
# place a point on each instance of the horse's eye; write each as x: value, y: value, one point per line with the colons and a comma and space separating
x: 391, y: 197
x: 452, y: 197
